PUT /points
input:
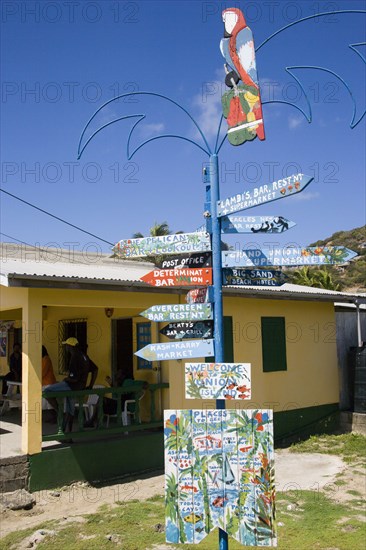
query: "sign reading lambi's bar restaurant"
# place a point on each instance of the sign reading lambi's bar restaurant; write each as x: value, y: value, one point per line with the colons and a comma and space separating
x: 264, y: 193
x: 178, y: 312
x: 167, y: 244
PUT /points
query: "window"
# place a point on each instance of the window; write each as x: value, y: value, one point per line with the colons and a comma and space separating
x: 273, y: 344
x: 66, y: 329
x: 143, y: 331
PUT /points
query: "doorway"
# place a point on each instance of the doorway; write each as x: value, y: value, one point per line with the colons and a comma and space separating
x: 122, y: 348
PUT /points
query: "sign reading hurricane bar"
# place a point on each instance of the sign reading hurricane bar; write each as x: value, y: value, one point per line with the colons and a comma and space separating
x: 253, y: 277
x: 255, y: 224
x: 167, y: 244
x: 270, y: 192
x: 177, y: 350
x: 178, y: 312
x: 179, y: 277
x: 326, y: 255
x: 218, y: 381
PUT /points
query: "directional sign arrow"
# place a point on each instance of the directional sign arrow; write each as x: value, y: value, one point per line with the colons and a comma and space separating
x: 270, y: 192
x: 289, y: 256
x: 167, y: 244
x: 255, y: 224
x: 253, y: 277
x: 199, y: 296
x: 202, y: 259
x: 179, y: 312
x: 187, y: 329
x: 179, y: 277
x: 177, y: 350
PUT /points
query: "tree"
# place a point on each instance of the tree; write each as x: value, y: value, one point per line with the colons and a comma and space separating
x: 319, y: 278
x: 157, y: 230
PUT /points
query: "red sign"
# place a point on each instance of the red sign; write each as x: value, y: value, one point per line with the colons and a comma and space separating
x: 197, y: 296
x: 179, y: 277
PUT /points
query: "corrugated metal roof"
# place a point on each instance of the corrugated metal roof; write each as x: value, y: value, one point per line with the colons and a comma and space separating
x: 101, y: 271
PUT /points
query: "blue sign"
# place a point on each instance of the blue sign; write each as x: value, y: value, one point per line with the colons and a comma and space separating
x: 255, y: 224
x: 288, y: 256
x: 270, y: 192
x: 177, y: 350
x: 253, y: 277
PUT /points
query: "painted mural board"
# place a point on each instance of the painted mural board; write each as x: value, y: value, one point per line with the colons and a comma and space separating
x: 219, y: 472
x: 166, y: 244
x: 179, y: 277
x: 170, y: 351
x: 253, y: 277
x: 178, y: 312
x: 269, y: 192
x: 241, y: 104
x: 218, y: 380
x: 198, y: 296
x: 288, y: 256
x: 255, y: 224
x: 201, y: 259
x: 188, y: 330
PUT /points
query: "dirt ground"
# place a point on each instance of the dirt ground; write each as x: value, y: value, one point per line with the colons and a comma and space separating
x: 293, y: 472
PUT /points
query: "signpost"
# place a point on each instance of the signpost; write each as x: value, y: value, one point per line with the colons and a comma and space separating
x: 263, y: 194
x: 202, y: 259
x: 253, y: 277
x: 179, y: 277
x: 218, y: 381
x: 167, y: 244
x: 178, y: 312
x: 255, y: 224
x: 289, y: 256
x: 188, y: 329
x: 177, y: 350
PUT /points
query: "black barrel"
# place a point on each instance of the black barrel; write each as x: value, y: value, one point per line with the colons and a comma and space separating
x: 360, y: 381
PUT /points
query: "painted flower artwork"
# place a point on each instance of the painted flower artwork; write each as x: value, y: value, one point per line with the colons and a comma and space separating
x: 219, y: 472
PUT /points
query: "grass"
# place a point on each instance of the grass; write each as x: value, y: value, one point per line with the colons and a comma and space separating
x: 351, y: 447
x: 313, y: 522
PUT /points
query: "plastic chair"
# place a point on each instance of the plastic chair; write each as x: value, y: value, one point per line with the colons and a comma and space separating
x: 12, y: 398
x: 89, y: 404
x: 129, y: 410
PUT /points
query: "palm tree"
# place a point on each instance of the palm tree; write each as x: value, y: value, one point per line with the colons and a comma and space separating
x: 157, y: 230
x: 303, y: 276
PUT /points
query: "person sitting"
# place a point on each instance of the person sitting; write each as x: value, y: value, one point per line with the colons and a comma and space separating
x: 79, y: 368
x: 48, y: 376
x: 15, y: 367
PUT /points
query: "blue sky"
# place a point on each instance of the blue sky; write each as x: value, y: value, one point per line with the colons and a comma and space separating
x: 62, y: 60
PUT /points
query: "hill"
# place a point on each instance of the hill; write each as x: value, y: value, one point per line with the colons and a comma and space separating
x: 350, y: 277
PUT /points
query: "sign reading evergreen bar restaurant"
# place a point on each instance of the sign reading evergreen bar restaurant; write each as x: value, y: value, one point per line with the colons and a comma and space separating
x: 217, y: 380
x: 219, y: 472
x: 270, y: 192
x: 253, y: 277
x: 178, y: 312
x: 188, y: 329
x: 179, y: 277
x: 203, y: 259
x: 177, y: 350
x: 167, y: 244
x: 255, y: 224
x: 288, y: 256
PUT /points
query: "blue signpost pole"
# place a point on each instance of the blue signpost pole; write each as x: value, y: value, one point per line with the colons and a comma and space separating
x: 217, y: 288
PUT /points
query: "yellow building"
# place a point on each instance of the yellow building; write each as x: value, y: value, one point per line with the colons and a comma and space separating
x: 287, y: 333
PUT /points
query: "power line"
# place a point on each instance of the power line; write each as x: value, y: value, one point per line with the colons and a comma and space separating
x: 55, y: 217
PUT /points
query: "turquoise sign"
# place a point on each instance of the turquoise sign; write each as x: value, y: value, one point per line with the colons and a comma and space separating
x: 255, y: 224
x: 179, y: 312
x: 167, y: 244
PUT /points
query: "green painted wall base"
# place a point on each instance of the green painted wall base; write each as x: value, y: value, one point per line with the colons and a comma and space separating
x: 299, y: 424
x: 96, y: 461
